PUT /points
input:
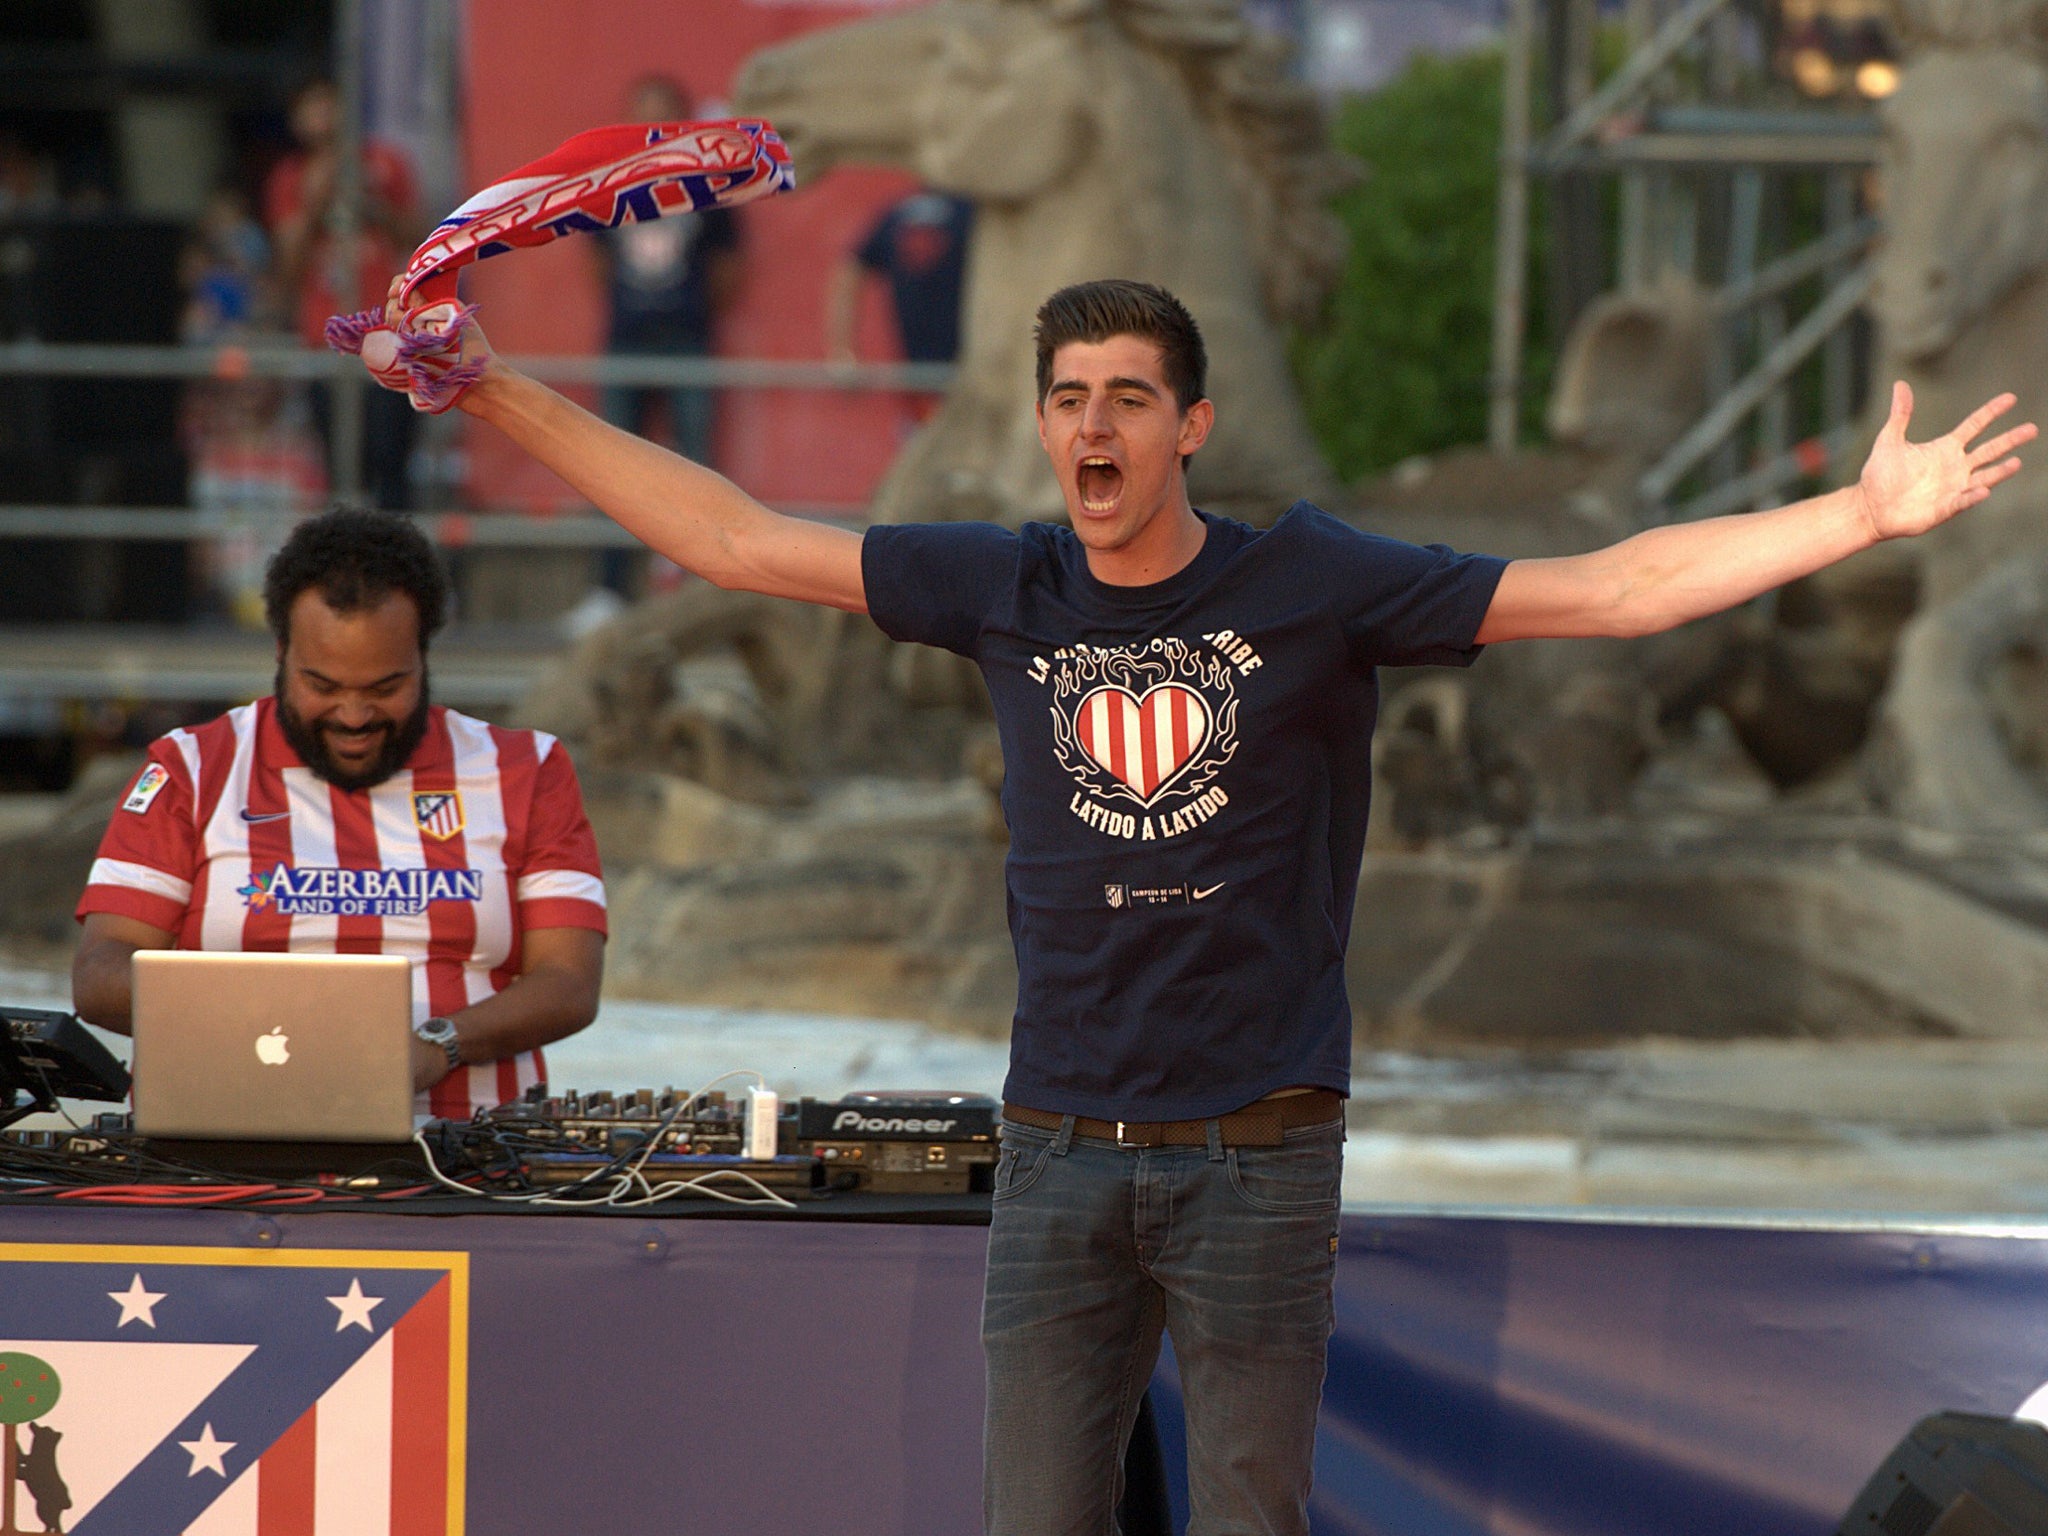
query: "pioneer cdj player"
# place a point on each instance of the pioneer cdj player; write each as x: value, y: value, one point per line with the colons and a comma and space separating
x: 902, y: 1142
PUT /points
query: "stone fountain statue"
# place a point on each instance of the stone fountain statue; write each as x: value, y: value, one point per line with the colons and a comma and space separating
x: 1154, y: 139
x: 1962, y: 312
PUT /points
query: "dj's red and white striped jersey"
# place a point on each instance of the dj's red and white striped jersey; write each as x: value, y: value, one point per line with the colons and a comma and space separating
x: 230, y: 842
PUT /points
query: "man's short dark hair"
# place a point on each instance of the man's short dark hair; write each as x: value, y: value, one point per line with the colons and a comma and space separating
x: 1094, y: 312
x: 356, y: 559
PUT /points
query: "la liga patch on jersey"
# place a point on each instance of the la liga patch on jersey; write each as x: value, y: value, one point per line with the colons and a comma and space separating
x: 197, y: 1392
x: 437, y: 813
x: 147, y: 788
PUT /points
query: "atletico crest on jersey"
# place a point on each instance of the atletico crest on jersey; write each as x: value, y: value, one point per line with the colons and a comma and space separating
x: 173, y: 1390
x: 437, y: 812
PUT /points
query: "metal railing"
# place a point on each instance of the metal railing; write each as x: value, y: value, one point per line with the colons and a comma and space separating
x: 262, y: 359
x: 285, y: 361
x: 483, y: 667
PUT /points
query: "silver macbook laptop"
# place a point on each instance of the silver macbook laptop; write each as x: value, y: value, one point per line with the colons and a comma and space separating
x: 273, y: 1047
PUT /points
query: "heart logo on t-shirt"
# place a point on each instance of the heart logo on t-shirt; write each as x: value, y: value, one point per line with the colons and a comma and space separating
x: 1144, y: 741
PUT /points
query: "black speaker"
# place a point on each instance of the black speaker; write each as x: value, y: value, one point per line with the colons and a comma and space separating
x: 106, y: 278
x: 1958, y: 1474
x: 91, y: 278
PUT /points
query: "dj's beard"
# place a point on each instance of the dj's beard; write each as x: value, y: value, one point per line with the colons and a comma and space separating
x: 310, y: 742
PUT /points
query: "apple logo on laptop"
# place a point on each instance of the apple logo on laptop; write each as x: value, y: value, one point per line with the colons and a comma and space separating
x: 273, y: 1049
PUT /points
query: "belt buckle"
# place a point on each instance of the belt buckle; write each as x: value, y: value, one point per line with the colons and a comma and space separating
x: 1138, y: 1145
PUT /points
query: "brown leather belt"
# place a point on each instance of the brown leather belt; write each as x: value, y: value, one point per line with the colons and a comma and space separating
x: 1260, y: 1124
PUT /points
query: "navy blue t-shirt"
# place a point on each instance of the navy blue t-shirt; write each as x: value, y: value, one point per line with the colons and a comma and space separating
x: 1187, y: 768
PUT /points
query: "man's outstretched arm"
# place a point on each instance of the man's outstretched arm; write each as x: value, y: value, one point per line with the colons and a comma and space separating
x: 1668, y: 576
x: 695, y: 516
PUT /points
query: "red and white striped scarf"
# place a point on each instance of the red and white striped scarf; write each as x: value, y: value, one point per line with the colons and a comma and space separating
x: 599, y: 179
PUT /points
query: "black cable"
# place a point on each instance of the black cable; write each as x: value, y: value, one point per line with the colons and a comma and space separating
x: 495, y: 1154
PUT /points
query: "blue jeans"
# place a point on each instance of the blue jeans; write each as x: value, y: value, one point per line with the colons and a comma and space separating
x: 1093, y: 1249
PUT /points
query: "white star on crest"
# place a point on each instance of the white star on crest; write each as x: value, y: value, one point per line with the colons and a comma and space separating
x: 207, y: 1452
x: 137, y: 1305
x: 355, y: 1308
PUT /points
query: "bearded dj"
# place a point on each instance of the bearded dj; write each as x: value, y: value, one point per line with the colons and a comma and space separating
x: 348, y: 813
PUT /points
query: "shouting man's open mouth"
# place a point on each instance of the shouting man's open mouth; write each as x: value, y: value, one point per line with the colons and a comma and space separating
x: 1100, y: 482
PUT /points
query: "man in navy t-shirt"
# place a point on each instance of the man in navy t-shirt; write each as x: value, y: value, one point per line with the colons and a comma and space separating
x: 1186, y: 707
x: 667, y: 281
x: 919, y: 249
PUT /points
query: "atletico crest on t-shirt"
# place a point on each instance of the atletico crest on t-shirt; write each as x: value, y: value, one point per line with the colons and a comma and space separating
x: 438, y: 812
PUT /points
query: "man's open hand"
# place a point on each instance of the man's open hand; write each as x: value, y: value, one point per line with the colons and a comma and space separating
x: 1908, y: 488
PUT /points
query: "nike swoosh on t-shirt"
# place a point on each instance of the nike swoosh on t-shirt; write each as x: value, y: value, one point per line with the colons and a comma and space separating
x: 1197, y: 895
x: 256, y: 816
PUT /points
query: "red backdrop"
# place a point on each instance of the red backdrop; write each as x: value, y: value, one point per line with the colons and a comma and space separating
x: 538, y: 71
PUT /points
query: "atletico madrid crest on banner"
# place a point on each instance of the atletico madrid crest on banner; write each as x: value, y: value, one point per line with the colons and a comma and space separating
x: 438, y: 813
x: 210, y: 1392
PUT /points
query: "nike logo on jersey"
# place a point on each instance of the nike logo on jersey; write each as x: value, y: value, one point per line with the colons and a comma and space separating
x: 1200, y: 895
x: 253, y: 817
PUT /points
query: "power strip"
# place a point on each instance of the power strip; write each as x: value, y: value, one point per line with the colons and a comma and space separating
x: 764, y: 1105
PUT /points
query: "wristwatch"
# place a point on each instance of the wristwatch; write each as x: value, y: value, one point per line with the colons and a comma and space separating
x: 442, y: 1033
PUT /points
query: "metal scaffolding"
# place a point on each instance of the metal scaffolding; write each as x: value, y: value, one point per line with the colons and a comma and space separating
x: 1695, y: 157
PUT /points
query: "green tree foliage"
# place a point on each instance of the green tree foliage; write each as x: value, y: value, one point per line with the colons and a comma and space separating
x: 28, y: 1388
x: 1399, y: 366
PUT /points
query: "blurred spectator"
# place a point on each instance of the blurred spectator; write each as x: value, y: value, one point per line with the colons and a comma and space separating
x: 226, y: 271
x: 254, y: 461
x: 919, y: 249
x: 298, y: 205
x: 28, y: 180
x: 668, y: 282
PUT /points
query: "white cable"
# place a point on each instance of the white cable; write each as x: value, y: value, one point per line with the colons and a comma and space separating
x: 698, y: 1184
x: 629, y: 1178
x: 639, y: 1158
x: 701, y: 1184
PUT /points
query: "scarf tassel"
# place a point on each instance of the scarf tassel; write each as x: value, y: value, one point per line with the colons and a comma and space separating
x: 435, y: 392
x: 422, y: 359
x: 345, y: 333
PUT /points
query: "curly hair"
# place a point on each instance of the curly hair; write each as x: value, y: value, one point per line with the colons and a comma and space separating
x: 357, y: 559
